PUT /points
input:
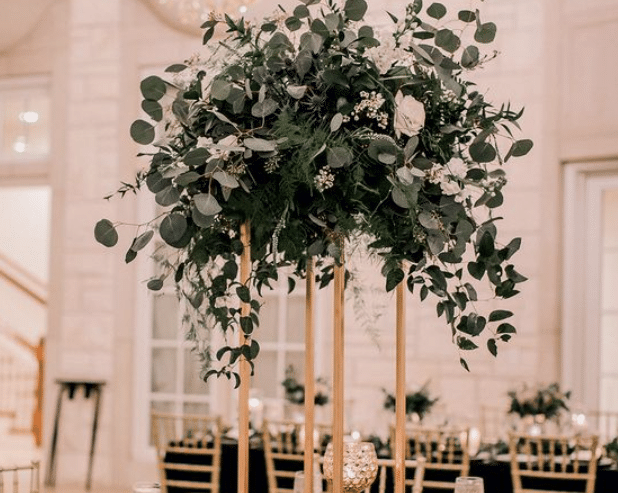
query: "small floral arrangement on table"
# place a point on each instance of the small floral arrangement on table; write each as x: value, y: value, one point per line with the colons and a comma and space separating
x: 418, y: 402
x: 313, y: 128
x: 547, y: 401
x: 295, y: 391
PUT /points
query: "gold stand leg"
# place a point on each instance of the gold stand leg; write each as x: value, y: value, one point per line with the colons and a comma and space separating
x: 400, y: 391
x: 245, y: 371
x: 338, y: 380
x: 309, y: 378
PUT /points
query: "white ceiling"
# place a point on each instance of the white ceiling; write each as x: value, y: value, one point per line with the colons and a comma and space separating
x: 18, y: 18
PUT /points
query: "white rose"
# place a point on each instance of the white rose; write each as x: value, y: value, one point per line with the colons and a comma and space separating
x: 450, y: 187
x: 409, y: 115
x: 457, y: 168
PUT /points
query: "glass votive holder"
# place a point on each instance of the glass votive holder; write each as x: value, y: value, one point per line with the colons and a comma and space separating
x: 360, y: 465
x: 469, y: 484
x: 299, y: 482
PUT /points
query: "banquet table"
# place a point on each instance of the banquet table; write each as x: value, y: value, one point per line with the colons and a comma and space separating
x: 496, y: 474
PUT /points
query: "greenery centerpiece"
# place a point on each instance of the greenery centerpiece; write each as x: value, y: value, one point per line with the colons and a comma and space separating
x: 314, y: 127
x: 295, y: 391
x: 418, y: 402
x: 546, y: 401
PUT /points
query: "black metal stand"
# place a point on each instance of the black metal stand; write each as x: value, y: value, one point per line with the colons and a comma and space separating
x: 70, y: 386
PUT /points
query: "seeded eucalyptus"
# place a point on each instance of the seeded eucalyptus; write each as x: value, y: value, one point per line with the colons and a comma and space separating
x: 315, y: 128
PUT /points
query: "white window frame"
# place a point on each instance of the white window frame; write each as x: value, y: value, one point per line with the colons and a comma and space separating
x: 584, y: 183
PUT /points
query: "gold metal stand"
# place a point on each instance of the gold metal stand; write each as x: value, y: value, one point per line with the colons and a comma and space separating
x: 245, y: 370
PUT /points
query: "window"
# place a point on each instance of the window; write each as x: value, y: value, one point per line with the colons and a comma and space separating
x: 24, y: 120
x: 590, y: 313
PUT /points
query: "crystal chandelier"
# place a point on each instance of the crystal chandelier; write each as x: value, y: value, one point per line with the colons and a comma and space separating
x: 188, y: 15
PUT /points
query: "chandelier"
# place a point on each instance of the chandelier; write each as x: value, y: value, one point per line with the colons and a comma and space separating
x: 188, y: 15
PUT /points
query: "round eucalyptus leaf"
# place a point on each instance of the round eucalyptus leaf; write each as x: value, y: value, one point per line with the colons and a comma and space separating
x: 200, y: 219
x: 207, y: 204
x: 220, y: 89
x: 264, y: 108
x: 173, y: 227
x: 105, y: 233
x: 153, y: 109
x: 142, y: 240
x: 168, y: 196
x: 301, y: 11
x: 436, y: 10
x: 196, y: 157
x: 482, y: 152
x: 153, y: 88
x: 466, y: 16
x: 338, y: 157
x: 187, y: 178
x: 156, y: 182
x: 155, y: 284
x: 297, y: 92
x: 485, y: 33
x: 470, y: 57
x: 399, y: 197
x: 142, y: 132
x: 336, y: 121
x: 259, y: 145
x: 225, y: 179
x: 355, y: 9
x: 293, y: 23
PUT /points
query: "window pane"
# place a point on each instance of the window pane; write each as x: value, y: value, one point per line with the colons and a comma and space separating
x: 165, y: 323
x: 163, y: 371
x: 196, y: 408
x: 265, y: 377
x: 25, y: 119
x: 193, y: 384
x: 297, y: 360
x: 269, y: 315
x: 295, y: 323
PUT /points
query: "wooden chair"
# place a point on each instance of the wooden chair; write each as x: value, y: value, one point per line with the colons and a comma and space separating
x: 284, y: 451
x: 12, y: 478
x: 412, y: 484
x: 444, y: 449
x: 551, y: 460
x: 188, y: 451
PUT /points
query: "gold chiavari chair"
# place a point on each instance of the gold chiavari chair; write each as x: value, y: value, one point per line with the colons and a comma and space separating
x: 445, y: 449
x: 12, y: 478
x: 284, y: 451
x: 188, y: 451
x: 551, y: 459
x: 412, y: 484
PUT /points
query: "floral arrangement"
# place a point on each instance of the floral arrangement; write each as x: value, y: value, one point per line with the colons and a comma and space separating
x: 539, y: 400
x: 313, y: 128
x: 418, y: 402
x: 295, y: 391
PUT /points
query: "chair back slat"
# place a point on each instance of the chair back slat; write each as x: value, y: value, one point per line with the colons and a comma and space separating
x: 284, y: 445
x: 552, y: 458
x: 443, y: 448
x: 188, y: 450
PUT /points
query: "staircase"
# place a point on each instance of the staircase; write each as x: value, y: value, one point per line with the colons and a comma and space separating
x: 21, y: 360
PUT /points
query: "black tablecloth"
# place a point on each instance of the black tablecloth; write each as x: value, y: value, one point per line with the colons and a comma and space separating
x: 496, y: 475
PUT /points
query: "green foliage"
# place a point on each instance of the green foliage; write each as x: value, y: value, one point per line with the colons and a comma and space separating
x: 418, y: 402
x: 314, y: 129
x: 546, y: 400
